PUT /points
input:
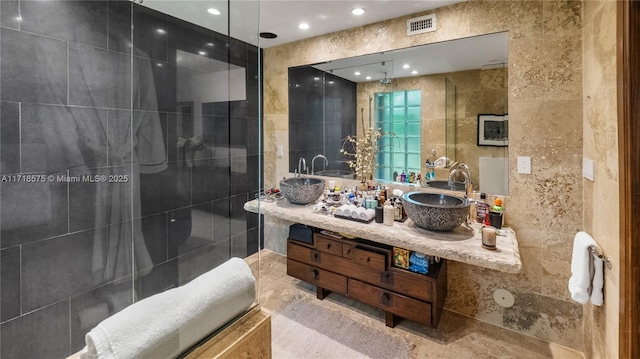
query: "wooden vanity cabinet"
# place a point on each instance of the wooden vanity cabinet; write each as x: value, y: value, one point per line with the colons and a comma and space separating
x: 363, y: 270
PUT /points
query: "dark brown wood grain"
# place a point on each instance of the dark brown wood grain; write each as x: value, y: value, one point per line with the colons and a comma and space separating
x: 628, y: 73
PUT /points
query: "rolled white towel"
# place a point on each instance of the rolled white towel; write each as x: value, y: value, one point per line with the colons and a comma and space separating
x: 166, y: 324
x: 355, y: 212
x: 397, y: 193
x: 340, y: 210
x: 597, y: 298
x: 371, y: 213
x: 362, y: 214
x: 346, y: 211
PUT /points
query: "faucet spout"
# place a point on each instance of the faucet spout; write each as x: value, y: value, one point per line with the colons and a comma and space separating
x: 466, y: 180
x: 302, y: 166
x: 326, y: 162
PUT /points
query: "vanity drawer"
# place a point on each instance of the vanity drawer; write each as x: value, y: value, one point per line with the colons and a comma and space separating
x: 391, y: 302
x: 320, y: 277
x: 364, y: 257
x: 330, y: 246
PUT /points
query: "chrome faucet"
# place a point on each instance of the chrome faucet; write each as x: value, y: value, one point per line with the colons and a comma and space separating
x: 466, y: 180
x: 302, y: 166
x: 326, y: 162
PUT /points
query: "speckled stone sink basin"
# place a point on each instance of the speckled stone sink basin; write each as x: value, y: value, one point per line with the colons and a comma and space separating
x: 302, y: 190
x: 435, y: 211
x: 457, y: 186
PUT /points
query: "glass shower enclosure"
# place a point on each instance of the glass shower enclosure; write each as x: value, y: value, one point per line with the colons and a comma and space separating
x: 129, y: 143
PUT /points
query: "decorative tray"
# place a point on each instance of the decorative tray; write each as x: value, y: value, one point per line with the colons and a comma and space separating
x: 354, y: 219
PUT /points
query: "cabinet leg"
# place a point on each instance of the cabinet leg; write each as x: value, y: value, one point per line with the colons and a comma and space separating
x: 390, y: 319
x: 321, y: 293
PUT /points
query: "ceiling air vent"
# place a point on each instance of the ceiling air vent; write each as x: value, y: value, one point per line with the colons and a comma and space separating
x: 422, y: 24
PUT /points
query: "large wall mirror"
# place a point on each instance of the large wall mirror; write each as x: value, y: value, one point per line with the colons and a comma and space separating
x: 435, y: 99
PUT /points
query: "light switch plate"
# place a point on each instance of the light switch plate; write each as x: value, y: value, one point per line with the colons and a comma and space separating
x: 280, y: 150
x: 524, y: 165
x: 587, y: 169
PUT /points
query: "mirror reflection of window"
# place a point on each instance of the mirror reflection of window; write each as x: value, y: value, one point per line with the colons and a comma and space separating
x: 398, y: 115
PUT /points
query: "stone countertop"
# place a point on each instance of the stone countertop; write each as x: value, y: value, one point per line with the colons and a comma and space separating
x: 463, y: 244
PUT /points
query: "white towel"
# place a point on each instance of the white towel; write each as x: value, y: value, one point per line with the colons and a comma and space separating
x: 580, y: 283
x: 362, y: 214
x: 597, y: 297
x: 340, y: 210
x: 166, y: 324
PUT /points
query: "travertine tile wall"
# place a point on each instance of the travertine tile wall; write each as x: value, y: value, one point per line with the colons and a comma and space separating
x: 601, y: 217
x: 546, y: 120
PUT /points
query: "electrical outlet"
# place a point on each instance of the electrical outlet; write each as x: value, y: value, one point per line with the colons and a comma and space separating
x: 524, y: 165
x: 587, y: 169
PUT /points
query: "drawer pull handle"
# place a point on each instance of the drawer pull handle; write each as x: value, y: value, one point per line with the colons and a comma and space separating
x: 349, y: 251
x: 328, y: 245
x: 368, y: 259
x: 315, y: 274
x: 386, y: 298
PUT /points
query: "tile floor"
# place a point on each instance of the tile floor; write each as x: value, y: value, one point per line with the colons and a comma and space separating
x: 457, y: 336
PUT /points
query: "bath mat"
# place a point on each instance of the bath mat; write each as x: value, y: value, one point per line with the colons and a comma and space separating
x: 302, y: 329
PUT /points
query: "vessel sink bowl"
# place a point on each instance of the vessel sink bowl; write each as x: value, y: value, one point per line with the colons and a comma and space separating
x: 336, y: 173
x: 435, y: 211
x: 457, y: 186
x: 302, y: 190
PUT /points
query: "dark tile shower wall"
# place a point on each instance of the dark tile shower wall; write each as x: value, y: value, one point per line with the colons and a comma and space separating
x: 76, y: 87
x: 322, y: 113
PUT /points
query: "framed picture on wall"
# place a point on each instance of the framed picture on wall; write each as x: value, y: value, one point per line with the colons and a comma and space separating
x: 493, y: 130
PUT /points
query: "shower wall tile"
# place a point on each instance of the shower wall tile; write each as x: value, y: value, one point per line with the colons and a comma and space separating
x: 156, y: 89
x: 83, y: 22
x: 33, y: 68
x: 10, y: 14
x: 244, y: 174
x: 10, y: 283
x: 209, y: 257
x: 180, y: 228
x: 119, y: 136
x: 88, y: 201
x: 166, y: 190
x: 46, y: 281
x: 90, y: 308
x: 194, y: 40
x: 120, y: 26
x: 163, y: 276
x: 99, y: 78
x: 9, y: 137
x: 55, y: 138
x: 32, y: 211
x: 239, y: 245
x: 216, y: 108
x: 221, y: 226
x: 155, y: 234
x: 40, y: 334
x: 211, y: 179
x: 150, y: 35
x: 238, y: 215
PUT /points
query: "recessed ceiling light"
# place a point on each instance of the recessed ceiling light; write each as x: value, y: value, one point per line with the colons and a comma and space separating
x: 357, y: 11
x: 159, y: 64
x: 414, y: 72
x: 405, y: 66
x: 357, y: 73
x: 368, y: 77
x: 161, y: 31
x: 316, y: 79
x: 303, y: 26
x: 210, y: 44
x: 330, y: 82
x: 213, y: 11
x: 202, y: 52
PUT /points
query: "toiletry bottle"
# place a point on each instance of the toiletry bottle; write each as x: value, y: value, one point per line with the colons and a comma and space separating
x: 379, y: 214
x: 497, y: 206
x: 396, y: 176
x: 482, y: 208
x: 403, y: 177
x: 387, y: 215
x: 398, y: 210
